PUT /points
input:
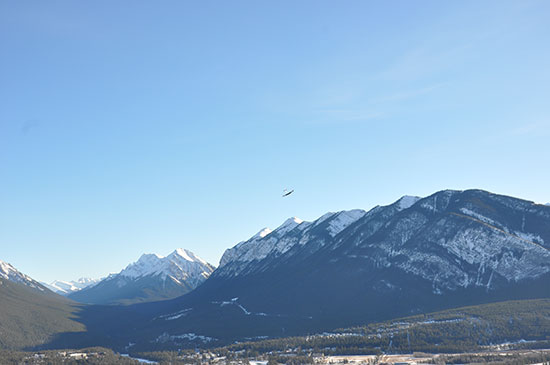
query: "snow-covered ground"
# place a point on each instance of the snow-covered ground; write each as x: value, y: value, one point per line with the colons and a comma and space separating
x: 143, y: 361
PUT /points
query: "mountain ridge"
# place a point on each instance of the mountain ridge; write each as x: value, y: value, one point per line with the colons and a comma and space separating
x: 417, y: 255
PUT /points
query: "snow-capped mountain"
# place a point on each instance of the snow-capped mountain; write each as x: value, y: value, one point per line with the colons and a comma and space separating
x: 261, y: 244
x: 179, y: 265
x: 152, y: 277
x: 455, y: 223
x: 68, y: 287
x: 451, y: 221
x: 449, y: 249
x: 295, y: 232
x: 8, y: 272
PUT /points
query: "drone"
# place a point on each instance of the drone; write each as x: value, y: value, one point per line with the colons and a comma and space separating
x: 287, y: 192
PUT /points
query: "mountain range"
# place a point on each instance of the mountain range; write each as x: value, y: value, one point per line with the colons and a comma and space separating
x: 417, y: 255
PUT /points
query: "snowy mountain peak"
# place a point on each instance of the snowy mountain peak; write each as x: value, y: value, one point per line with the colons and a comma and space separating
x: 86, y: 281
x: 188, y: 256
x: 179, y: 262
x: 288, y: 225
x: 407, y: 201
x: 291, y: 221
x: 146, y: 264
x: 7, y: 271
x: 264, y: 232
x: 149, y: 257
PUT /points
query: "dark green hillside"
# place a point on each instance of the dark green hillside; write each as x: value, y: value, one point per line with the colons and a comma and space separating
x: 517, y: 324
x: 525, y: 322
x: 29, y: 317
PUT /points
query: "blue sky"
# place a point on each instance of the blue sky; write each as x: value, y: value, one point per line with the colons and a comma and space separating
x: 136, y: 126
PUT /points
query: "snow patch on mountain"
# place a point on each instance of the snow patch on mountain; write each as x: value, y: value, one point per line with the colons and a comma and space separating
x: 530, y: 237
x: 264, y: 232
x: 343, y: 220
x: 323, y: 218
x: 288, y: 225
x: 165, y: 337
x: 175, y: 315
x: 407, y: 201
x: 482, y: 218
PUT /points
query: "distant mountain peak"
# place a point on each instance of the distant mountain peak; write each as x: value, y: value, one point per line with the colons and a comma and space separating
x: 68, y: 287
x: 151, y: 277
x: 154, y: 264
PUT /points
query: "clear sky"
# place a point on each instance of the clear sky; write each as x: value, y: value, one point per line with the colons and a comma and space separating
x: 130, y: 127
